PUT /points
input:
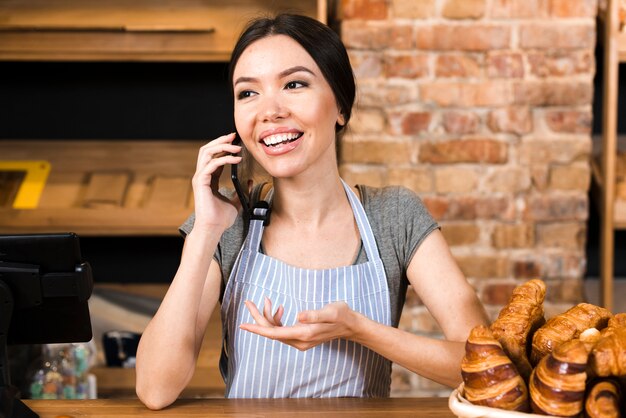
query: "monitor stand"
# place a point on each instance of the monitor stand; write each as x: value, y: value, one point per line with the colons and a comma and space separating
x: 10, y: 405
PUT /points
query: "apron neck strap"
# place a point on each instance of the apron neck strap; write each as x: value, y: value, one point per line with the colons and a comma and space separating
x: 261, y: 213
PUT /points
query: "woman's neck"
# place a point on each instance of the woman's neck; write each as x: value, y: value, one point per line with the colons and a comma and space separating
x: 309, y: 201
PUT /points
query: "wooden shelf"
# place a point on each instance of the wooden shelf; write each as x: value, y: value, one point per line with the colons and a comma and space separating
x: 133, y: 30
x: 612, y: 209
x: 104, y: 188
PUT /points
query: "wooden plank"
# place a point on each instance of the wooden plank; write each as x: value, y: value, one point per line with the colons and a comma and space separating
x: 106, y: 189
x: 168, y: 192
x: 144, y: 30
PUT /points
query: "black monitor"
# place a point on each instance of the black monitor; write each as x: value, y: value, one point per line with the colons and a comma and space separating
x: 44, y: 288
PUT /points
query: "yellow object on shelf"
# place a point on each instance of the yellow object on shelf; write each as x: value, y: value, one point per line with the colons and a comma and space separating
x: 32, y: 186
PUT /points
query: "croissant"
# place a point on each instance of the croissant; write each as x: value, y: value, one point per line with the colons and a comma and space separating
x: 590, y: 338
x: 603, y: 400
x: 489, y: 375
x: 608, y: 357
x: 557, y: 384
x: 518, y: 320
x: 567, y: 326
x: 618, y: 321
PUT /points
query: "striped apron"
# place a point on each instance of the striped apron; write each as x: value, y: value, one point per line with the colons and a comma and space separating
x: 257, y: 367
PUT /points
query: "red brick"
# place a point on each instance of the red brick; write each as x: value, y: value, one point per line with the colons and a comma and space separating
x: 374, y: 93
x: 458, y: 65
x: 561, y: 63
x: 505, y: 65
x: 466, y: 208
x: 376, y: 152
x: 527, y: 269
x: 553, y: 93
x: 458, y: 234
x: 464, y: 151
x: 478, y: 37
x: 406, y: 65
x: 460, y: 122
x: 521, y: 235
x: 409, y: 123
x: 411, y: 9
x: 512, y: 119
x: 484, y: 266
x: 497, y: 293
x: 366, y: 64
x: 458, y: 94
x: 557, y: 36
x: 418, y: 179
x: 464, y: 9
x: 513, y: 9
x: 569, y: 121
x: 437, y: 206
x: 564, y: 265
x: 533, y: 151
x: 557, y: 207
x: 565, y: 235
x: 357, y: 35
x: 561, y: 290
x: 364, y: 9
x: 507, y: 179
x: 402, y: 37
x: 570, y: 177
x: 455, y: 179
x: 363, y: 174
x: 573, y: 8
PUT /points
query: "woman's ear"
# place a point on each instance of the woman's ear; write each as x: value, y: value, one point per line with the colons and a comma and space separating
x: 341, y: 120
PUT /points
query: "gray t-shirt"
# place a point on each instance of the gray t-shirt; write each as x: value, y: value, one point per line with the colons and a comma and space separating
x: 399, y: 221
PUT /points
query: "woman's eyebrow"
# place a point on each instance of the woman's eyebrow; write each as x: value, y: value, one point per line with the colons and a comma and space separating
x: 282, y: 74
x: 295, y: 69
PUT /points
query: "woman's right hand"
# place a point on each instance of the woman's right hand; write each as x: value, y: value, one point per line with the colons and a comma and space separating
x: 211, y: 207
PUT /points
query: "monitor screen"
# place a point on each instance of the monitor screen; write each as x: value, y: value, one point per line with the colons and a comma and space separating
x: 50, y: 287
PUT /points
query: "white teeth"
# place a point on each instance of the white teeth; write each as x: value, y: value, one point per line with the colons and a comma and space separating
x: 278, y: 138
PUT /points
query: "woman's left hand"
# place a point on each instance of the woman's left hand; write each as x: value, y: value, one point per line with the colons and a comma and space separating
x: 335, y: 320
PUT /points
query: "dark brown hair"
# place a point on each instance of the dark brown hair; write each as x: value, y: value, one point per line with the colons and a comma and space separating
x: 322, y: 44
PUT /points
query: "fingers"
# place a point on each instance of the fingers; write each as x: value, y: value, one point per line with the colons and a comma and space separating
x: 217, y: 149
x: 212, y: 157
x: 278, y: 316
x: 258, y: 318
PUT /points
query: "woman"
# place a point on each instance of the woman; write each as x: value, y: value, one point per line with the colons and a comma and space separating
x: 334, y: 260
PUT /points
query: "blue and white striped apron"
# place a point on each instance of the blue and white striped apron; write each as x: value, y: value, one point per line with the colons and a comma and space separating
x: 257, y: 367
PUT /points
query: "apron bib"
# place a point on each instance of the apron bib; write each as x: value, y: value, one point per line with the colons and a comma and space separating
x: 257, y: 367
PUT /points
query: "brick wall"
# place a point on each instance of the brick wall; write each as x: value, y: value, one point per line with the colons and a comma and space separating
x: 483, y: 107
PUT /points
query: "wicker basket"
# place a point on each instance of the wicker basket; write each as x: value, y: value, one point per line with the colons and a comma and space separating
x: 464, y: 409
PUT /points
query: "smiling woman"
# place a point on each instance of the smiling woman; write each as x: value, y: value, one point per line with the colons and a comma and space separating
x: 310, y: 293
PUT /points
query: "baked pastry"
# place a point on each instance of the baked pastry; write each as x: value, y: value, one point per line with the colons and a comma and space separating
x: 617, y: 321
x: 603, y: 400
x: 567, y: 326
x: 518, y: 320
x: 608, y: 357
x: 490, y: 377
x: 557, y: 384
x: 590, y: 338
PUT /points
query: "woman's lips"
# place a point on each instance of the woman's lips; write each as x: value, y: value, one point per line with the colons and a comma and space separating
x: 287, y: 143
x: 280, y: 138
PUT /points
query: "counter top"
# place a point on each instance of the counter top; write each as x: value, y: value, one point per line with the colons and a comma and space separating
x: 344, y: 407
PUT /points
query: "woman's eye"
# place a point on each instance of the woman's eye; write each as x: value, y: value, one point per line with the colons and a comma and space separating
x: 295, y: 84
x: 244, y: 94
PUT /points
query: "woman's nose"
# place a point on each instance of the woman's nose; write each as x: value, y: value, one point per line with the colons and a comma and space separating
x: 272, y: 109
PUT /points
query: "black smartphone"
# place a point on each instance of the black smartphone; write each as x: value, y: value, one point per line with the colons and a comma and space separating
x: 235, y: 179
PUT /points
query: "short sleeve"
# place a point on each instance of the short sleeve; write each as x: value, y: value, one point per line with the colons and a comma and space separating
x: 415, y: 223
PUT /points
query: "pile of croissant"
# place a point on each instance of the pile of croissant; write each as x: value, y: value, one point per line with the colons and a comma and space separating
x: 572, y: 365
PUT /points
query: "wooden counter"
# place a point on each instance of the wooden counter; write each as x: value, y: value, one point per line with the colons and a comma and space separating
x: 344, y: 407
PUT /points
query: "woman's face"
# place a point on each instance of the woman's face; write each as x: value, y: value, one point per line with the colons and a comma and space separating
x: 285, y: 110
